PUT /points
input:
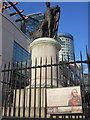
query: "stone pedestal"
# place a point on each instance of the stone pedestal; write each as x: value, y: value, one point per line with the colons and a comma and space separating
x: 44, y: 48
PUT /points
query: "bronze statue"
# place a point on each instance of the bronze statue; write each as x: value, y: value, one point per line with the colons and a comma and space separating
x: 49, y: 27
x: 41, y: 31
x: 56, y: 20
x: 52, y: 15
x: 49, y: 17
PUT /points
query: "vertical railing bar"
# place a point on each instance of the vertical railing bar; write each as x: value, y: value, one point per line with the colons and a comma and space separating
x: 60, y: 68
x: 1, y: 104
x: 28, y: 79
x: 25, y: 81
x: 81, y: 66
x: 7, y: 90
x: 51, y: 115
x: 11, y: 86
x: 81, y: 72
x: 75, y: 116
x: 57, y: 116
x: 35, y: 89
x: 46, y: 88
x: 20, y: 82
x: 3, y: 86
x: 75, y: 71
x: 30, y: 90
x: 62, y: 116
x: 40, y: 88
x: 10, y: 91
x: 27, y: 88
x: 82, y: 83
x: 51, y: 74
x: 68, y: 71
x: 63, y: 67
x: 88, y: 59
x: 57, y: 69
x: 15, y: 89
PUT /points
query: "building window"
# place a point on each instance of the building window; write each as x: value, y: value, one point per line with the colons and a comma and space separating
x: 20, y: 54
x: 20, y: 58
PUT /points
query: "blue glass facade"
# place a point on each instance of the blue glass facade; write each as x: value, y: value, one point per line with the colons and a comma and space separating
x: 20, y: 54
x: 32, y: 23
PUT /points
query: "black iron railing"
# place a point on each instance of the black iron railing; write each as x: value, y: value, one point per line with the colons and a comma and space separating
x: 25, y: 95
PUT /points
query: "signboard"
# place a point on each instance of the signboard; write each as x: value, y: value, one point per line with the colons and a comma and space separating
x: 64, y: 100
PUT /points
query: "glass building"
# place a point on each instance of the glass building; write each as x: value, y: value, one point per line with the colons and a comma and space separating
x: 21, y: 58
x: 31, y: 23
x: 20, y: 54
x: 67, y: 46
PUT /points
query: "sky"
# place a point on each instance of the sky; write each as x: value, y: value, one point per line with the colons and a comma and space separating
x: 73, y: 20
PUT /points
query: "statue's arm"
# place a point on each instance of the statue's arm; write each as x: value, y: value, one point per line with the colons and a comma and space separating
x: 57, y: 16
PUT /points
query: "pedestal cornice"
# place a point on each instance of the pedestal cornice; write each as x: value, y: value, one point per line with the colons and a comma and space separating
x: 44, y: 41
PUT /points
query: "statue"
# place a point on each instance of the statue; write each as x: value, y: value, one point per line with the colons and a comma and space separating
x: 52, y: 15
x: 56, y: 20
x: 49, y: 17
x: 41, y: 31
x: 48, y: 27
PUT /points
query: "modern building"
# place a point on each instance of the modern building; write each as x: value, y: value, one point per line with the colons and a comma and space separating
x: 32, y: 23
x: 67, y: 47
x: 15, y: 34
x: 15, y: 45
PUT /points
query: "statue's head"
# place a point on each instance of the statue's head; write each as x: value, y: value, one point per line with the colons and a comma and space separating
x: 48, y: 4
x: 57, y: 6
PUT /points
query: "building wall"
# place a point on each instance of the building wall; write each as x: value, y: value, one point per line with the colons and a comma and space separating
x: 67, y: 47
x: 11, y: 33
